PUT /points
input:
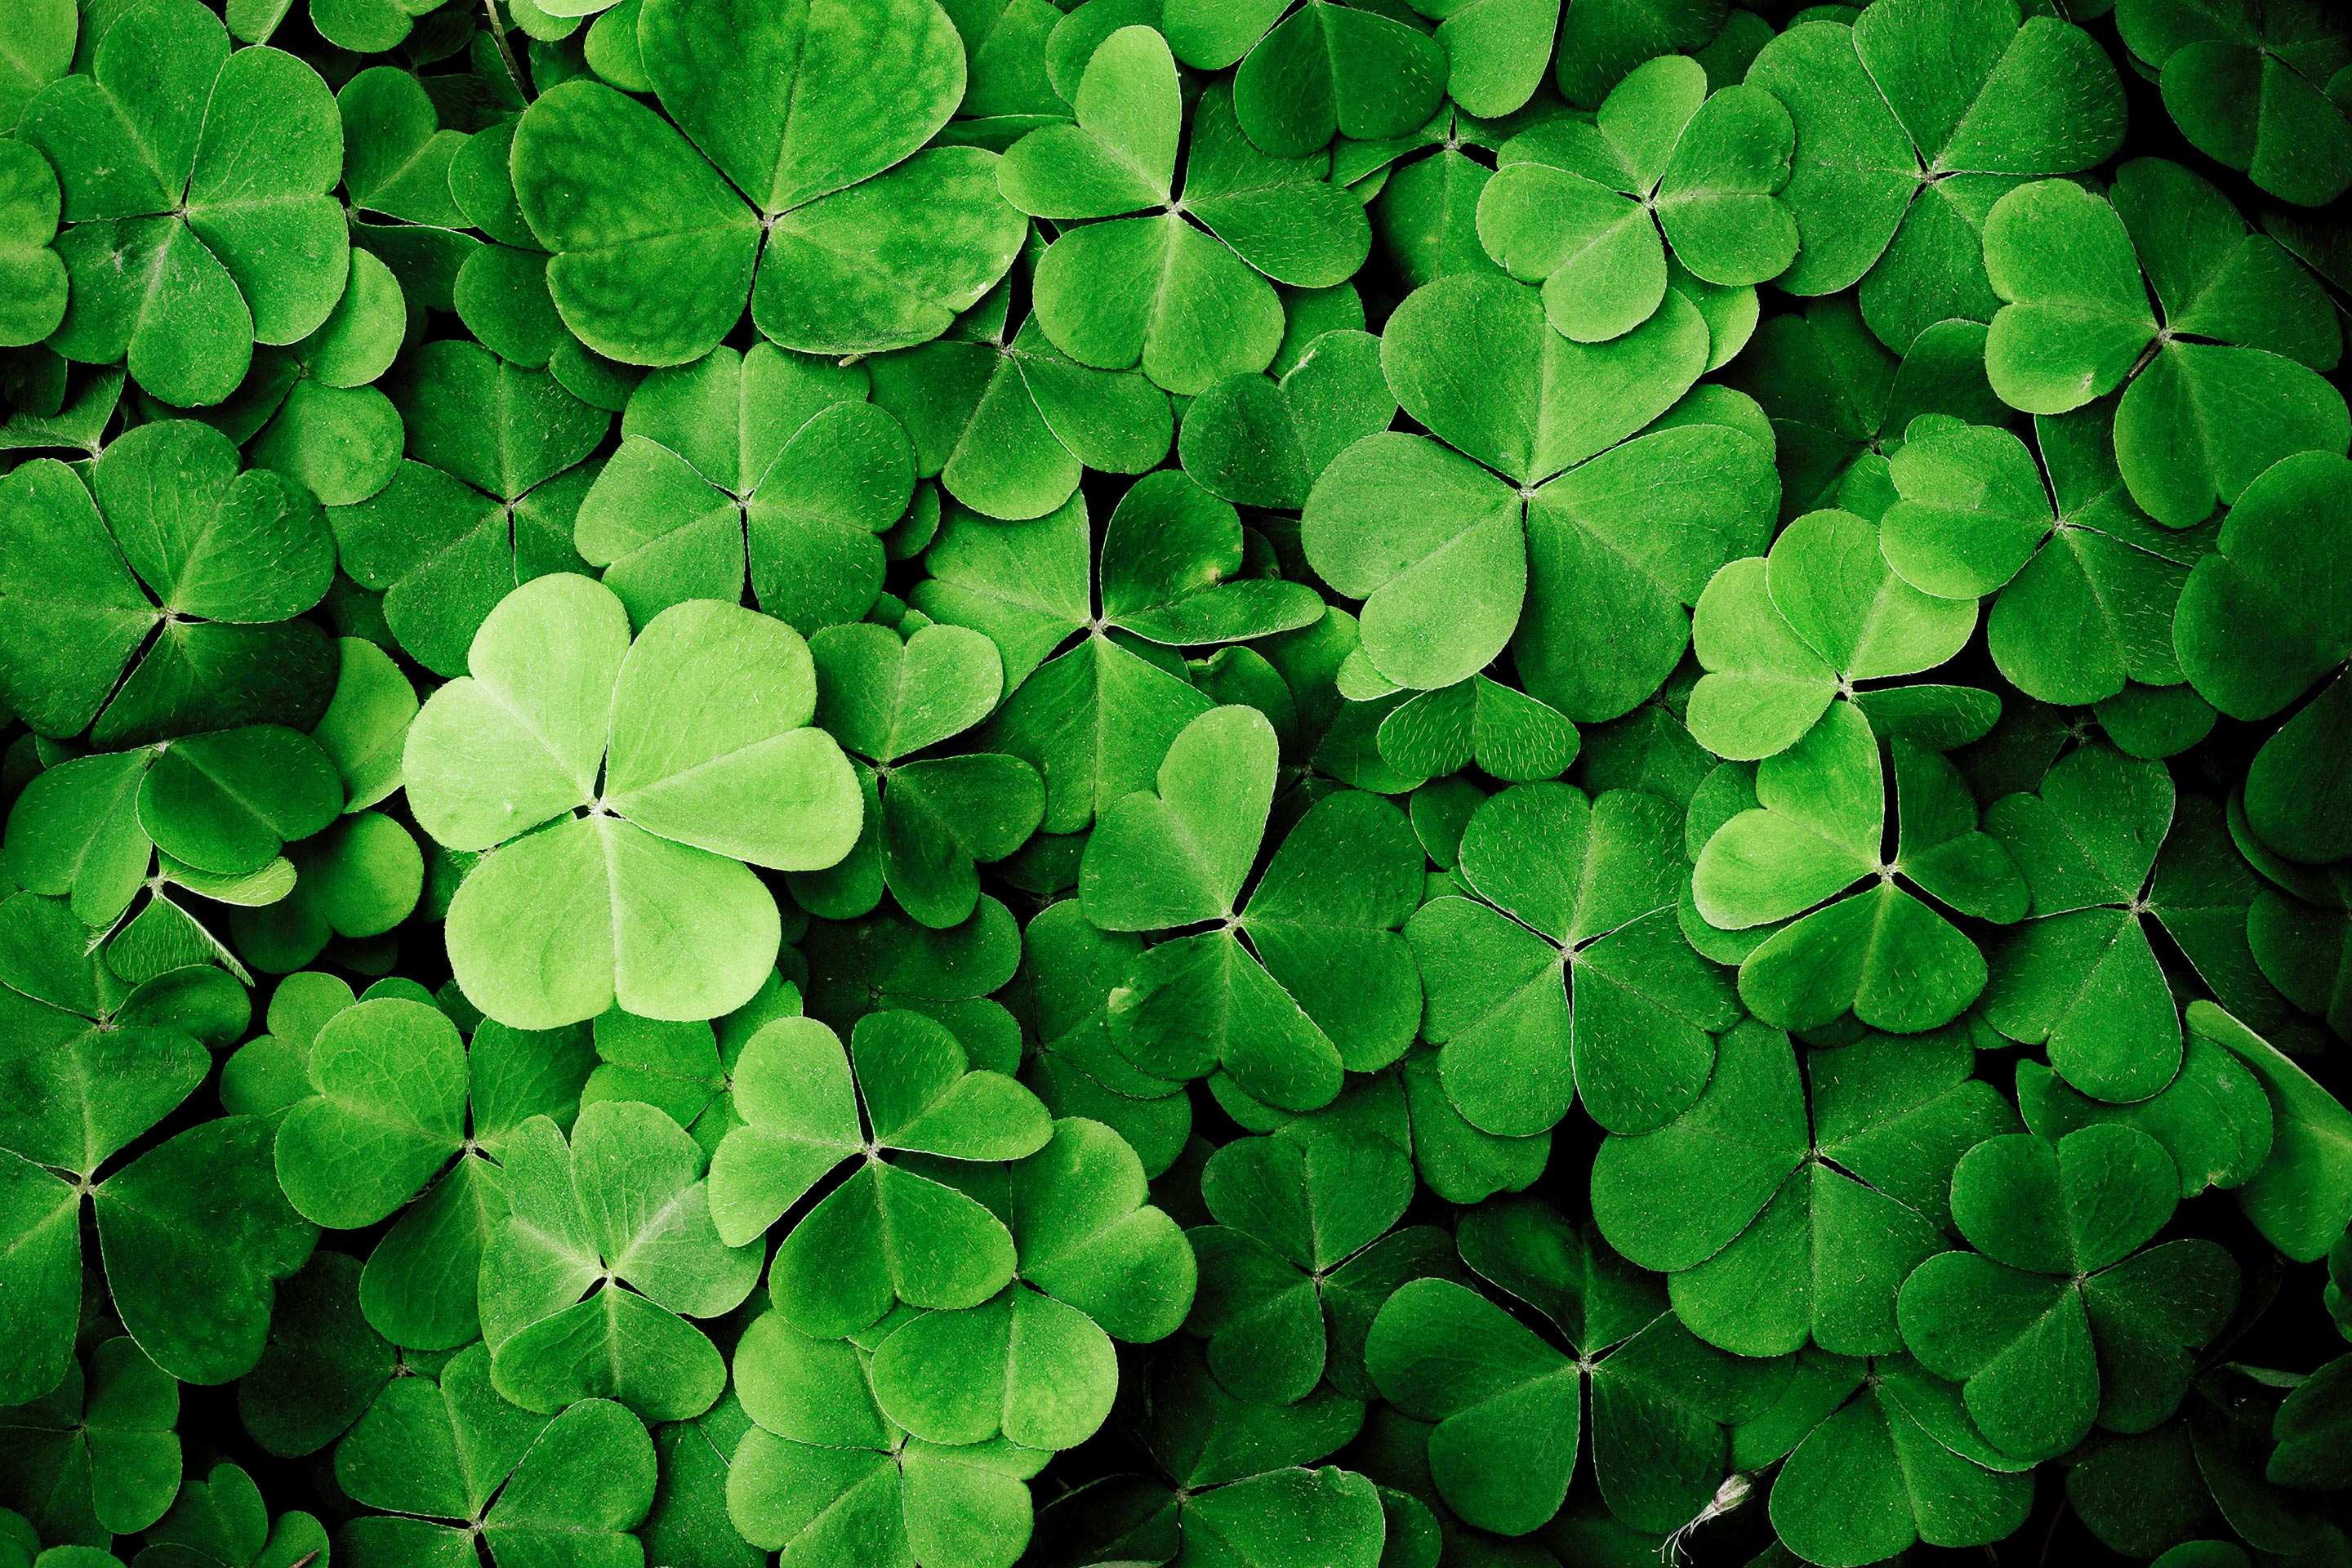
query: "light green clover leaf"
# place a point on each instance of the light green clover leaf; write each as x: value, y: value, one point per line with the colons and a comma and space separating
x: 1774, y: 1228
x: 39, y: 48
x: 1576, y: 981
x: 2061, y: 1318
x: 2248, y: 86
x: 660, y: 740
x: 1511, y: 735
x: 97, y: 1456
x: 2243, y: 323
x: 195, y: 181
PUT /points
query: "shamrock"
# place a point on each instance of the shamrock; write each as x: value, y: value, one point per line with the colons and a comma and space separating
x: 325, y: 1363
x: 1580, y: 557
x: 1875, y: 1456
x: 765, y: 459
x: 938, y: 816
x: 1772, y: 1235
x: 530, y: 1488
x: 97, y: 1456
x: 2263, y: 618
x: 1189, y: 304
x: 222, y: 1521
x: 2311, y: 1428
x: 1297, y: 1263
x: 617, y: 1214
x: 1576, y: 978
x: 2080, y: 978
x: 2243, y: 325
x: 1069, y: 970
x: 1329, y: 983
x: 1911, y: 123
x: 28, y: 258
x: 1817, y: 829
x: 1096, y: 721
x: 197, y: 195
x: 1579, y: 207
x: 171, y: 550
x: 1260, y: 441
x: 2301, y: 1198
x: 1507, y: 1404
x: 486, y: 501
x: 1238, y: 1483
x: 1320, y: 70
x: 888, y: 1233
x: 1035, y: 1364
x: 1007, y: 423
x: 2060, y: 1318
x: 2213, y: 1119
x: 642, y: 900
x: 2248, y: 86
x: 799, y: 159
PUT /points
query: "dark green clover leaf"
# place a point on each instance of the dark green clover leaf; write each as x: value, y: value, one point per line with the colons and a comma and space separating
x: 35, y: 277
x: 691, y: 751
x: 1322, y: 69
x: 2314, y: 1426
x: 1880, y: 1456
x: 1093, y: 1262
x: 798, y: 159
x: 1772, y: 1234
x: 2262, y: 620
x: 1323, y: 982
x: 2243, y: 325
x: 181, y: 571
x: 2086, y: 583
x: 1008, y: 423
x: 1578, y: 208
x: 39, y: 40
x: 2061, y: 1318
x: 1070, y: 968
x: 487, y: 501
x: 1577, y: 980
x: 97, y: 1456
x: 222, y: 1521
x: 534, y: 1490
x: 1911, y: 123
x: 688, y: 1524
x: 1263, y: 442
x: 2079, y: 978
x: 325, y: 1364
x: 930, y: 821
x: 1096, y: 721
x: 2301, y: 1199
x: 1816, y: 835
x: 886, y: 961
x: 1526, y: 523
x: 1299, y: 1233
x: 1781, y: 636
x: 2248, y: 86
x: 2213, y: 1118
x: 618, y: 1214
x: 767, y: 465
x: 1507, y: 1403
x: 1191, y: 304
x: 195, y: 181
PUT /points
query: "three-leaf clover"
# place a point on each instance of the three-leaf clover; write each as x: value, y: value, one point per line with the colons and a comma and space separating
x: 2060, y: 1318
x: 197, y: 184
x: 795, y: 155
x: 1814, y: 838
x: 1322, y: 69
x: 2248, y: 86
x: 764, y: 464
x: 2242, y: 326
x: 1325, y: 982
x: 689, y: 750
x: 171, y: 564
x: 1577, y: 978
x: 96, y: 1457
x: 1579, y: 207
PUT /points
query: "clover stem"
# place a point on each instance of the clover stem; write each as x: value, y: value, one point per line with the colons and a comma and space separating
x: 506, y: 51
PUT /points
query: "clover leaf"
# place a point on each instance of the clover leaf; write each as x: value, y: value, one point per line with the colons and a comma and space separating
x: 222, y: 1521
x: 765, y: 460
x: 1911, y: 123
x: 2302, y: 1190
x: 1260, y: 441
x: 1318, y: 71
x: 1324, y: 981
x: 610, y: 904
x: 2247, y: 87
x: 530, y: 1488
x: 28, y: 258
x: 1454, y: 561
x: 1578, y: 209
x: 172, y: 565
x: 1096, y: 721
x: 325, y: 1363
x: 486, y: 501
x: 617, y: 1215
x: 1774, y: 1229
x: 1072, y: 968
x: 1191, y: 304
x: 205, y: 228
x: 2213, y: 1119
x: 97, y: 1456
x: 791, y: 175
x: 1576, y: 978
x: 1816, y: 832
x: 2242, y: 322
x: 1513, y: 736
x: 2060, y: 1318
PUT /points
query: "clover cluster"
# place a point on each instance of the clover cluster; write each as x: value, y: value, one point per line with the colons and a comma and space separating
x: 1251, y: 783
